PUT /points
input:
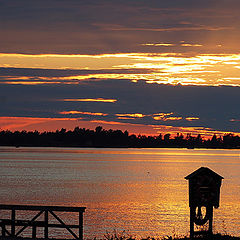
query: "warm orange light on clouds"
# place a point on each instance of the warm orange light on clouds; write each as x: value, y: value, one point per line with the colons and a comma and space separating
x: 84, y: 113
x: 172, y: 44
x: 31, y: 123
x: 191, y: 45
x: 133, y: 65
x: 134, y: 115
x: 90, y: 100
x: 191, y: 118
x: 52, y: 124
x: 166, y: 117
x: 173, y: 119
x: 194, y: 131
x: 162, y: 68
x: 158, y: 44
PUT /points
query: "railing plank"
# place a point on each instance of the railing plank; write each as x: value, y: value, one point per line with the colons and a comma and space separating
x: 32, y: 220
x: 13, y: 222
x: 42, y: 208
x: 63, y: 224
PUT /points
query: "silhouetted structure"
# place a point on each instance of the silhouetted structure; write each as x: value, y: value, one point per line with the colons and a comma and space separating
x: 81, y: 137
x: 39, y: 212
x: 204, y: 192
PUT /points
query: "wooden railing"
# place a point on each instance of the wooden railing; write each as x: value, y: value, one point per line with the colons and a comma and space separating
x: 11, y: 227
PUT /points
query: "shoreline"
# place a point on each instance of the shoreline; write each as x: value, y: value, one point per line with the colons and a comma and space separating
x: 123, y: 147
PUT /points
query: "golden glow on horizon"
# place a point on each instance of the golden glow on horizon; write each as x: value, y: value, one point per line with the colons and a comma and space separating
x: 161, y: 68
x: 194, y: 131
x: 52, y: 124
x: 90, y: 100
x: 24, y: 123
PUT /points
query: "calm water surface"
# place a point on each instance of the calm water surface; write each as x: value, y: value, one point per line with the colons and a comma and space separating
x: 141, y: 191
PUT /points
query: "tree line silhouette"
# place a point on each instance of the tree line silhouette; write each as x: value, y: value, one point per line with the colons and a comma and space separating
x: 81, y: 137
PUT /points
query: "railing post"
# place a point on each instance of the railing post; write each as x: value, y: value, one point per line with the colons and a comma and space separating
x: 192, y: 214
x: 13, y: 222
x: 3, y: 230
x: 211, y: 221
x: 80, y: 225
x: 19, y: 225
x: 46, y: 224
x: 34, y: 231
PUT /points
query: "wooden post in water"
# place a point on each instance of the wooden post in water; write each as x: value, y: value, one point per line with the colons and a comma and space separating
x: 210, y: 227
x: 192, y: 214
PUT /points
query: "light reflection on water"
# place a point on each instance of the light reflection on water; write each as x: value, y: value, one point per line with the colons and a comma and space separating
x: 142, y: 191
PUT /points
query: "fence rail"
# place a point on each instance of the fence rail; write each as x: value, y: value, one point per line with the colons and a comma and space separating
x: 34, y: 223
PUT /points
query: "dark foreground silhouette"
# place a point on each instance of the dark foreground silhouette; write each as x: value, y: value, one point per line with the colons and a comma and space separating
x: 114, y: 237
x: 124, y: 236
x: 213, y: 237
x: 81, y: 137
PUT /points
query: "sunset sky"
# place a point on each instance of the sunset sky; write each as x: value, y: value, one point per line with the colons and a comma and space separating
x: 148, y: 67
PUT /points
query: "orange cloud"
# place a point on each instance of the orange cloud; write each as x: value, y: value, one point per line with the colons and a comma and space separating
x: 124, y: 118
x: 190, y: 45
x: 134, y: 115
x: 107, y: 122
x: 160, y: 68
x: 173, y: 118
x: 31, y: 124
x: 191, y: 118
x: 90, y: 100
x: 194, y: 131
x: 84, y: 113
x: 165, y: 117
x: 158, y: 44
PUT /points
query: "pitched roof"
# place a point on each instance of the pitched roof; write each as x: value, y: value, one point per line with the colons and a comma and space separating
x: 202, y: 170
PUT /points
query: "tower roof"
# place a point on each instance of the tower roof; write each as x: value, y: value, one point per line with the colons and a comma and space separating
x: 203, y: 171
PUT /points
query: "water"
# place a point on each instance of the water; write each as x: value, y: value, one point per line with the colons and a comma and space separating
x: 141, y: 191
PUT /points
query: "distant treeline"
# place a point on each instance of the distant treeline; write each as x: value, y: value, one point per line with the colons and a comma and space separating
x: 81, y: 137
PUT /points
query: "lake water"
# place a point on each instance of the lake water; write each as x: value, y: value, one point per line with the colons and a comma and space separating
x: 141, y: 191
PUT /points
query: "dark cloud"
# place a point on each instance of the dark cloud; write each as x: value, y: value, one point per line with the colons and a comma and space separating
x: 214, y: 106
x: 70, y: 26
x: 94, y: 27
x: 36, y: 72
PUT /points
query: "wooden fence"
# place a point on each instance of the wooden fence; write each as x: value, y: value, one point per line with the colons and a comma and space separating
x: 12, y: 227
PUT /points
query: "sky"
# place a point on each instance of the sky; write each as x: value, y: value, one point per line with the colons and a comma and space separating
x: 148, y: 67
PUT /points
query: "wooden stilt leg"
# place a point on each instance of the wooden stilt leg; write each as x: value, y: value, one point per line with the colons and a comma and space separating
x: 192, y: 214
